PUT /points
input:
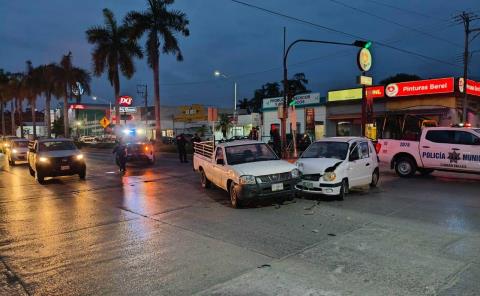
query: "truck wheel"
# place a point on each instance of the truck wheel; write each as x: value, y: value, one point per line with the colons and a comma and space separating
x: 343, y: 190
x: 32, y: 172
x: 425, y: 172
x: 83, y: 174
x: 203, y: 179
x: 405, y: 167
x: 234, y: 196
x: 39, y: 177
x: 375, y: 178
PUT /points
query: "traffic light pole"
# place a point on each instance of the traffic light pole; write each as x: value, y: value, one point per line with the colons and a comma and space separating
x: 285, y: 84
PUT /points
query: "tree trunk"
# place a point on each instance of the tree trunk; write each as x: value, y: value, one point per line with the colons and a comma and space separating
x: 156, y: 84
x: 48, y: 120
x: 2, y: 109
x: 20, y: 116
x: 66, y: 131
x: 12, y: 116
x: 33, y: 106
x: 116, y: 86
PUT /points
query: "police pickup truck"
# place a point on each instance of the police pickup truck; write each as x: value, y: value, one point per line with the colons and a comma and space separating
x: 246, y: 169
x: 439, y: 148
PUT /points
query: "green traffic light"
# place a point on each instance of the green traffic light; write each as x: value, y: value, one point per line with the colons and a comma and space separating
x: 368, y: 45
x: 292, y: 103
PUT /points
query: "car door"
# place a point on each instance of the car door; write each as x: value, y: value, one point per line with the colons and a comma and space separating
x: 469, y: 150
x: 366, y: 164
x: 438, y: 150
x: 355, y: 169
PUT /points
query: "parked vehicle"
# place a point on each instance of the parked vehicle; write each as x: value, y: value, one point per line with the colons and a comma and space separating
x: 17, y: 151
x: 440, y: 148
x: 140, y: 151
x: 246, y: 169
x: 332, y: 166
x: 55, y: 157
x: 4, y: 142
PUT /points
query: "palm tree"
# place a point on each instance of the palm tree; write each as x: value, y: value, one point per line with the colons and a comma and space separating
x: 16, y: 99
x: 50, y: 85
x: 244, y: 104
x: 69, y: 76
x: 30, y: 89
x: 223, y: 124
x: 4, y: 95
x: 159, y: 24
x: 114, y: 51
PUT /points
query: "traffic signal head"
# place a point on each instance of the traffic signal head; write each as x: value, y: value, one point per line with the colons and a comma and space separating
x: 362, y: 44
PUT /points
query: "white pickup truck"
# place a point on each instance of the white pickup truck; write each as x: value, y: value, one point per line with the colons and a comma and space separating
x: 247, y: 170
x: 439, y: 148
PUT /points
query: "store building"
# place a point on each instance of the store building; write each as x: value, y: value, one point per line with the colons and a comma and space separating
x: 311, y: 116
x: 400, y: 110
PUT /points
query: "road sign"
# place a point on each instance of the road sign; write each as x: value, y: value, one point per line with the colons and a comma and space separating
x: 104, y: 122
x: 364, y: 80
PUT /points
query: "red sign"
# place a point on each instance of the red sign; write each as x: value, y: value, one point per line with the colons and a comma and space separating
x: 373, y: 92
x: 420, y: 87
x: 125, y: 101
x: 473, y: 87
x: 77, y: 106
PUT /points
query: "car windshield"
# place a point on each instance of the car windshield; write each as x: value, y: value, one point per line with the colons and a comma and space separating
x: 249, y: 153
x: 325, y: 149
x: 20, y: 144
x: 57, y: 145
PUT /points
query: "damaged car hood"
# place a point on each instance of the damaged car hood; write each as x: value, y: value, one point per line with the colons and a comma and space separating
x: 317, y: 165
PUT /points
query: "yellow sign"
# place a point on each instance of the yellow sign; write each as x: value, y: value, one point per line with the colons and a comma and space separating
x: 191, y: 113
x: 344, y: 95
x: 104, y: 122
x: 371, y: 131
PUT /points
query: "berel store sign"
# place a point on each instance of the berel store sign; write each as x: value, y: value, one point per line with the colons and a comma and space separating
x: 420, y: 87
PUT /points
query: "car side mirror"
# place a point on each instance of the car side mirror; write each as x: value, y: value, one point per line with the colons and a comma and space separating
x: 220, y: 161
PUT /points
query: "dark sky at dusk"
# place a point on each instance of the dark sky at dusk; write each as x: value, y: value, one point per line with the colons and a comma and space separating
x: 247, y: 44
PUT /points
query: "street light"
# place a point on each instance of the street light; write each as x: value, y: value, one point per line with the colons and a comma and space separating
x: 217, y: 73
x: 356, y: 43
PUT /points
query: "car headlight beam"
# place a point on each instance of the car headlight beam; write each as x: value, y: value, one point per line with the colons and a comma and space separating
x: 43, y: 159
x: 79, y: 157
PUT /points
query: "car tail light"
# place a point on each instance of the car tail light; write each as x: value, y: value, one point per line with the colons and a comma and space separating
x: 146, y: 148
x: 378, y: 146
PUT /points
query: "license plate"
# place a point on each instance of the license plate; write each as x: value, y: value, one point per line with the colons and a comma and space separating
x: 277, y: 187
x: 64, y: 167
x: 308, y: 185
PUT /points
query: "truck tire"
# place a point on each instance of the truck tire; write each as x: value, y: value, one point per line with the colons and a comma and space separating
x: 39, y: 177
x: 83, y: 174
x: 234, y: 201
x: 405, y: 167
x: 31, y: 171
x: 204, y: 180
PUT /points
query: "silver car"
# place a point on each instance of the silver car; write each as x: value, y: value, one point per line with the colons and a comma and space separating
x: 16, y: 151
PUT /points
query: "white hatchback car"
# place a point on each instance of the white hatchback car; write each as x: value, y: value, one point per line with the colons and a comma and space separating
x: 332, y: 166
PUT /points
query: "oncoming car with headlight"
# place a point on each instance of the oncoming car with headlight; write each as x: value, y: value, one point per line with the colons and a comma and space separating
x: 54, y: 158
x: 17, y: 151
x: 247, y: 170
x: 332, y: 166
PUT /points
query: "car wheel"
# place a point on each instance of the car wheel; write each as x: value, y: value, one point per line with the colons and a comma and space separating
x: 405, y: 167
x: 39, y: 177
x: 343, y: 190
x: 204, y: 180
x: 83, y: 174
x: 234, y: 201
x: 32, y: 172
x: 375, y: 178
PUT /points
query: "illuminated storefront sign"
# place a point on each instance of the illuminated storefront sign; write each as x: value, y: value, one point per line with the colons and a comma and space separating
x: 77, y: 106
x: 125, y: 101
x: 344, y: 95
x: 191, y: 113
x: 473, y: 87
x: 375, y: 92
x: 420, y: 87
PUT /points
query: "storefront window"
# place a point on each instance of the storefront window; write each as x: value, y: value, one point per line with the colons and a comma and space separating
x: 344, y: 128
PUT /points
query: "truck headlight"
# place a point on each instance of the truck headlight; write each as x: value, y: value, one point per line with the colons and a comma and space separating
x: 329, y: 176
x: 79, y: 157
x: 43, y: 159
x: 295, y: 173
x: 14, y: 151
x: 247, y: 179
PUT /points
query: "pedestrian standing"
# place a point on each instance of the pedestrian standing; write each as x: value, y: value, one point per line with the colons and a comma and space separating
x: 121, y: 157
x: 182, y: 152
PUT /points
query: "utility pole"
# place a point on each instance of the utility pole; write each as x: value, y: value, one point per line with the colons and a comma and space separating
x: 466, y: 18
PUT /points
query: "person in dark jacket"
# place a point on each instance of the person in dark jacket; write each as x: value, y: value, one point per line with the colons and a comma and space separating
x: 182, y: 152
x: 120, y: 152
x: 196, y: 139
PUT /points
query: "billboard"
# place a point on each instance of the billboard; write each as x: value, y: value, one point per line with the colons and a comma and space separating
x: 300, y: 100
x: 344, y: 95
x: 420, y: 87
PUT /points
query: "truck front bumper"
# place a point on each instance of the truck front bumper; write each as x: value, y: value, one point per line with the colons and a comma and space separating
x: 264, y: 190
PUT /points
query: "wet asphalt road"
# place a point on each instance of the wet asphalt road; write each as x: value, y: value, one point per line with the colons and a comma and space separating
x: 156, y: 232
